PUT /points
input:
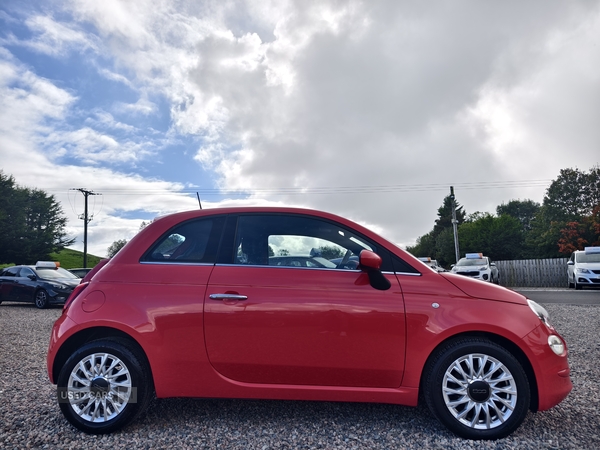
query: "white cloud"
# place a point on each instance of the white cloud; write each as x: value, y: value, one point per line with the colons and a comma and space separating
x: 409, y: 97
x: 53, y: 38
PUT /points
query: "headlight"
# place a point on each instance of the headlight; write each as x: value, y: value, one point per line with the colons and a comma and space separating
x: 580, y: 270
x: 540, y: 311
x: 61, y: 287
x: 556, y: 344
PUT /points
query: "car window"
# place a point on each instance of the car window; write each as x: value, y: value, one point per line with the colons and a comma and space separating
x: 297, y: 241
x: 25, y: 272
x: 193, y: 241
x: 10, y: 272
x: 53, y: 274
x: 587, y: 257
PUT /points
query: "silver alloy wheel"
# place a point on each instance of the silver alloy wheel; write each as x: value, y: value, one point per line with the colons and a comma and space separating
x: 41, y: 299
x: 99, y: 387
x: 479, y: 391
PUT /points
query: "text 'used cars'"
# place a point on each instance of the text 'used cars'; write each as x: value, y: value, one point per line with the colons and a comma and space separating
x: 247, y: 303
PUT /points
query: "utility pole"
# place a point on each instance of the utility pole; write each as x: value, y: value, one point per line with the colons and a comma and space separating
x: 86, y: 220
x: 454, y: 224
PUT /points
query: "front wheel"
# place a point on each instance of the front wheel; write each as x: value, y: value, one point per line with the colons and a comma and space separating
x: 578, y: 286
x: 104, y: 386
x: 41, y: 299
x: 477, y: 389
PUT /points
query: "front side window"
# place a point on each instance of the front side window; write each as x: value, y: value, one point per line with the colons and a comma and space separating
x: 26, y: 271
x: 297, y: 241
x: 194, y: 241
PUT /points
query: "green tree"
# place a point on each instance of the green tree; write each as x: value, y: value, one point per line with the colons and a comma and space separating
x: 32, y: 223
x: 425, y: 246
x: 114, y: 248
x: 522, y: 210
x: 569, y: 199
x: 500, y: 238
x: 444, y: 220
x: 331, y: 252
x: 573, y: 195
x: 439, y: 242
x: 444, y: 252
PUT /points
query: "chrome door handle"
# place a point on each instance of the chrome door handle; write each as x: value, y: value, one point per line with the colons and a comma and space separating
x: 228, y: 297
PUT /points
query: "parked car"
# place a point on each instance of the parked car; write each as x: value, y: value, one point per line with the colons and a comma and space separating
x: 80, y: 272
x: 432, y: 263
x: 477, y: 266
x: 43, y: 284
x: 583, y: 268
x: 210, y: 317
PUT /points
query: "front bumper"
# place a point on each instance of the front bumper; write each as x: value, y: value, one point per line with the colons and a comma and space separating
x: 551, y: 370
x: 483, y: 275
x: 58, y: 297
x: 590, y: 279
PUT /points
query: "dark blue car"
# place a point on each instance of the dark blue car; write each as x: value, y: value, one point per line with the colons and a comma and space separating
x: 43, y: 284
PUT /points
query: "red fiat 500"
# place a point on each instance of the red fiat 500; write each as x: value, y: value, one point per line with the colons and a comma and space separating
x: 204, y: 304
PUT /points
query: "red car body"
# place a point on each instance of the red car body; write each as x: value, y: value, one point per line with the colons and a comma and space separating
x: 295, y: 333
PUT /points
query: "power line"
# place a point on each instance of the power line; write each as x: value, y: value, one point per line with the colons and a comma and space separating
x: 329, y: 190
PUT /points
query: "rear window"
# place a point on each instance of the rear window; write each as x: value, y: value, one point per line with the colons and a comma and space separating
x: 194, y: 241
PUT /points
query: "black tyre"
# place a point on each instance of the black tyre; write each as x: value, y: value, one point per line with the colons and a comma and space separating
x: 104, y: 386
x: 578, y: 286
x: 41, y: 299
x: 477, y: 389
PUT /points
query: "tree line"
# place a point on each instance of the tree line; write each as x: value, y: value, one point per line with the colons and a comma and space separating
x: 567, y: 220
x: 32, y: 224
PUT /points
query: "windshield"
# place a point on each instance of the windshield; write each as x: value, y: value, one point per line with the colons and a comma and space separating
x: 54, y: 274
x: 472, y: 262
x: 587, y: 258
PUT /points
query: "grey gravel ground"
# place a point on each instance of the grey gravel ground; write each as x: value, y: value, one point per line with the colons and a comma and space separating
x: 30, y: 417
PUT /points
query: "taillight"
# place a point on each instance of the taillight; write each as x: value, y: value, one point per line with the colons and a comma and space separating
x: 78, y: 290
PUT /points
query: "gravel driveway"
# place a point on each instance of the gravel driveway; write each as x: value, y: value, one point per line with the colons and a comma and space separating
x: 30, y: 417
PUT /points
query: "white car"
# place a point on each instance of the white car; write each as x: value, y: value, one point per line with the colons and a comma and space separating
x: 583, y: 268
x: 432, y: 263
x: 475, y: 265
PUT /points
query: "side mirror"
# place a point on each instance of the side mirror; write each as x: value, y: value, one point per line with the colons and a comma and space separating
x: 370, y: 262
x: 570, y: 263
x: 32, y: 277
x: 493, y: 264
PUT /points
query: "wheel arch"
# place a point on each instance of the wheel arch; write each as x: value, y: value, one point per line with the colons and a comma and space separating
x: 510, y: 346
x: 88, y: 335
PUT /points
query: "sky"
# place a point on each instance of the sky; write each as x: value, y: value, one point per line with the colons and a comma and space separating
x: 367, y: 109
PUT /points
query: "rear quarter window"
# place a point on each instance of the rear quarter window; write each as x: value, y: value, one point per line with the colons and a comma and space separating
x: 193, y: 241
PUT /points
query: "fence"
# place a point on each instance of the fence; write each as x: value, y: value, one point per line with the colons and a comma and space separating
x: 533, y: 273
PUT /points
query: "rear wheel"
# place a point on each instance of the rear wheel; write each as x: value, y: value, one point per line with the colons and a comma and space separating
x: 41, y: 299
x: 477, y: 389
x: 104, y: 386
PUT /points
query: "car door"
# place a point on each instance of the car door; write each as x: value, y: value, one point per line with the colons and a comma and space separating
x: 324, y: 326
x: 8, y: 291
x: 26, y: 284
